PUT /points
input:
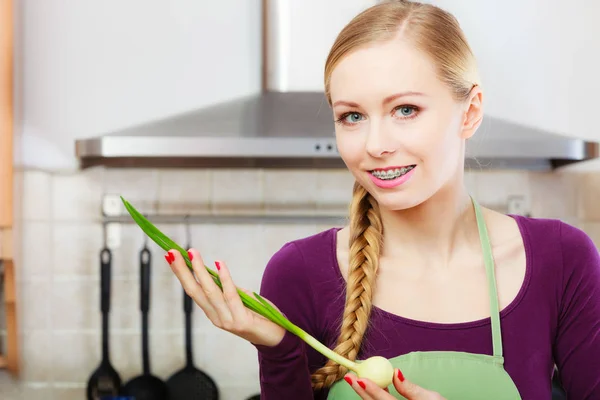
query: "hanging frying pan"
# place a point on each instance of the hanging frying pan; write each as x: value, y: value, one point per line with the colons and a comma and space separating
x: 145, y: 386
x: 104, y: 381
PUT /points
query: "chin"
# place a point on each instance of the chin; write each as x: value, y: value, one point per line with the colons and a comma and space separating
x: 397, y: 201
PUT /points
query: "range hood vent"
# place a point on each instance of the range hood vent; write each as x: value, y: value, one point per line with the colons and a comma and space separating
x: 278, y: 128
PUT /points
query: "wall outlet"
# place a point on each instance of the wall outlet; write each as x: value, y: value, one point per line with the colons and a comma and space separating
x: 112, y: 205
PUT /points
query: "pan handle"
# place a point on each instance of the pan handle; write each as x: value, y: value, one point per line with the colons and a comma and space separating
x: 145, y: 260
x: 105, y: 266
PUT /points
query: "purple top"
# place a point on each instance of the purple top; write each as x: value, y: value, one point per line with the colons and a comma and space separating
x: 555, y: 317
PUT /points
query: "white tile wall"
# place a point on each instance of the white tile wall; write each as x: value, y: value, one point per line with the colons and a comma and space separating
x: 61, y: 236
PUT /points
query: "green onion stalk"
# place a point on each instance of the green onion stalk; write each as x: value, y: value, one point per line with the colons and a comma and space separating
x: 377, y: 369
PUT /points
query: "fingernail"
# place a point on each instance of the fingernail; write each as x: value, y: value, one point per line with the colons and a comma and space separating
x: 172, y: 256
x: 349, y: 380
x: 400, y: 376
x: 168, y: 258
x: 362, y: 384
x: 190, y: 255
x: 218, y: 264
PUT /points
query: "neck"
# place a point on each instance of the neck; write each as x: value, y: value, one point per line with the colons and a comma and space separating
x: 434, y: 232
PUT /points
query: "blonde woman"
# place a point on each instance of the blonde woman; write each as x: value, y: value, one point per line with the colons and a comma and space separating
x: 468, y: 303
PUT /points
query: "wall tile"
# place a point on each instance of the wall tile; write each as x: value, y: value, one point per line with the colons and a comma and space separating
x: 590, y: 197
x: 125, y: 354
x: 126, y: 258
x: 237, y: 191
x: 593, y: 230
x: 138, y: 186
x: 276, y: 236
x: 69, y: 393
x: 493, y: 188
x: 36, y: 252
x: 36, y: 358
x: 76, y: 249
x: 30, y: 392
x: 166, y: 308
x: 290, y: 190
x: 34, y: 305
x: 241, y: 248
x: 182, y: 191
x: 224, y: 349
x: 77, y: 196
x: 554, y: 195
x: 75, y: 304
x: 239, y: 391
x: 37, y: 196
x: 166, y: 353
x: 125, y: 304
x: 334, y: 189
x: 75, y: 355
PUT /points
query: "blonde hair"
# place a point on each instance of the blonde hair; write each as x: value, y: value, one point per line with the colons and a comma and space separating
x: 438, y: 35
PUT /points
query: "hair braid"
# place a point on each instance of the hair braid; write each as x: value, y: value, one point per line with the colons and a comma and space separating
x: 366, y: 233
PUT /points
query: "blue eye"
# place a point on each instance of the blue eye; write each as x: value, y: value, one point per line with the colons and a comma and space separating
x: 354, y: 117
x: 405, y: 111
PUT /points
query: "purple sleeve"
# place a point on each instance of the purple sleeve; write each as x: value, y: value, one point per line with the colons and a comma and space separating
x: 284, y: 370
x: 577, y: 344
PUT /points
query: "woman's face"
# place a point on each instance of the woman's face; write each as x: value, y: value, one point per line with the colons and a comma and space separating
x: 398, y: 128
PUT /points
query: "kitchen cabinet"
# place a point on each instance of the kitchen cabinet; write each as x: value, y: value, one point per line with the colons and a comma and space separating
x: 9, y: 360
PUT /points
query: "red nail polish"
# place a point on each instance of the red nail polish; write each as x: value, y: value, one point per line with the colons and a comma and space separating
x: 168, y: 258
x: 218, y: 264
x: 190, y: 255
x: 362, y: 385
x: 349, y: 380
x: 400, y: 376
x: 172, y: 256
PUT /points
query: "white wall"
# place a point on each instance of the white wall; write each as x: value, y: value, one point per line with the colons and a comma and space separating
x: 93, y: 66
x: 89, y: 67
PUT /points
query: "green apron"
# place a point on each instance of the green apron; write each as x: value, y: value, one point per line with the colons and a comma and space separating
x: 456, y: 375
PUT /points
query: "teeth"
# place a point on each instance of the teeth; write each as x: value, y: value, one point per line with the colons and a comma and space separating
x: 392, y: 173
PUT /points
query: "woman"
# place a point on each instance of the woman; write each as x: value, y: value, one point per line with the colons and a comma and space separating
x: 468, y: 302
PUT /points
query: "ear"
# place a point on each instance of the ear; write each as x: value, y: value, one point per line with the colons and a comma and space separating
x: 474, y: 113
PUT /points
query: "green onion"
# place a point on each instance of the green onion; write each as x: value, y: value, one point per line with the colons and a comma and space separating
x: 378, y: 369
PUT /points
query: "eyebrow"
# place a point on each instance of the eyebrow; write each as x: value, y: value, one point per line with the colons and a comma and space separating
x: 388, y: 99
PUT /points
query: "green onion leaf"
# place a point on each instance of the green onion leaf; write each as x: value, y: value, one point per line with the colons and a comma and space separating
x: 259, y: 305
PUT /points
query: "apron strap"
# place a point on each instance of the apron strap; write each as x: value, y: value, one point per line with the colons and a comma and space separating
x: 488, y: 258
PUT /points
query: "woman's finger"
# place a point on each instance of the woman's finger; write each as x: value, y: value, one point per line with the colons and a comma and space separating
x: 412, y: 391
x: 230, y: 293
x: 190, y: 285
x: 211, y: 290
x: 363, y: 389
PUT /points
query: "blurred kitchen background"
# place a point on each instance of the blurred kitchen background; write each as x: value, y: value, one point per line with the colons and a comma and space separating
x: 85, y: 69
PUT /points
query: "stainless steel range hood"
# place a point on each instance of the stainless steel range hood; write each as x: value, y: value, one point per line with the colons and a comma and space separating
x: 279, y: 128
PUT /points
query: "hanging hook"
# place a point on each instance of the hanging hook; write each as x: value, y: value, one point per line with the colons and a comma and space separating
x: 104, y: 236
x: 188, y: 232
x: 145, y: 236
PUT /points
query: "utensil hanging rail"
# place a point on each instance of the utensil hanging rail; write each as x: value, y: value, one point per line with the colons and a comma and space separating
x: 232, y: 219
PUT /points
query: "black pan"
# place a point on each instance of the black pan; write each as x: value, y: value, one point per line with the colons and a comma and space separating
x: 105, y: 380
x: 189, y: 383
x: 145, y: 386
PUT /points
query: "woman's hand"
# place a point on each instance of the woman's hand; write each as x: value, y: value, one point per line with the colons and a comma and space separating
x: 223, y: 308
x: 368, y: 390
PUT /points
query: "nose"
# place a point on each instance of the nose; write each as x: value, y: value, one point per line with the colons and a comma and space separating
x: 379, y: 141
